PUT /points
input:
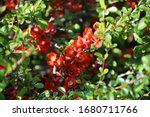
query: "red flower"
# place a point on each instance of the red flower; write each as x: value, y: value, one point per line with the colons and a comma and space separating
x: 98, y: 44
x: 43, y: 45
x: 19, y: 48
x: 69, y: 53
x: 25, y: 97
x: 75, y: 7
x: 88, y: 34
x: 11, y: 92
x: 55, y: 3
x: 78, y: 44
x: 50, y: 29
x: 76, y: 98
x: 51, y: 58
x: 36, y: 32
x: 132, y: 3
x: 72, y: 70
x: 81, y: 57
x: 51, y: 84
x: 11, y: 4
x: 69, y: 83
x: 59, y: 62
x: 95, y: 26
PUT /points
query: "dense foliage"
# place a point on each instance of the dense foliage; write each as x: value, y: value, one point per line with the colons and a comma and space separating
x: 75, y: 49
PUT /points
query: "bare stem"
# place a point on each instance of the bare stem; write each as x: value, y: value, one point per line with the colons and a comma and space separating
x: 129, y: 83
x: 19, y: 62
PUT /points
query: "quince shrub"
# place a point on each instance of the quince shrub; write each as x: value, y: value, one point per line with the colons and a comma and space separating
x: 74, y: 49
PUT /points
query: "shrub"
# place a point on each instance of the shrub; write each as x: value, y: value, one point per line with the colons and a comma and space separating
x: 75, y: 49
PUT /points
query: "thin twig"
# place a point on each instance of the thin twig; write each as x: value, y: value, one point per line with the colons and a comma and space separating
x: 126, y: 73
x: 129, y: 83
x: 19, y: 62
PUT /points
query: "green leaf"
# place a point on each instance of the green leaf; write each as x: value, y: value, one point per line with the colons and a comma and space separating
x: 106, y: 56
x: 105, y: 71
x: 138, y: 88
x: 13, y: 45
x: 62, y: 89
x: 98, y: 54
x: 76, y: 27
x: 37, y: 4
x: 137, y: 38
x: 142, y: 25
x: 68, y: 16
x: 141, y: 49
x: 101, y: 27
x: 39, y: 85
x: 2, y: 86
x: 124, y: 10
x: 42, y: 23
x: 2, y: 97
x: 119, y: 29
x: 26, y: 62
x: 2, y: 72
x: 47, y: 93
x: 107, y: 40
x: 125, y: 91
x: 112, y: 9
x: 146, y: 63
x: 124, y: 18
x: 135, y: 15
x: 59, y: 22
x: 100, y: 12
x: 110, y: 19
x: 2, y: 9
x: 22, y: 91
x: 102, y: 4
x: 111, y: 96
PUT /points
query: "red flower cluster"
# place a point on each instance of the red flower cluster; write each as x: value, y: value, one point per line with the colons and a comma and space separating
x: 132, y: 3
x: 75, y: 59
x: 11, y: 92
x: 11, y: 4
x: 51, y: 84
x: 37, y: 35
x: 60, y: 6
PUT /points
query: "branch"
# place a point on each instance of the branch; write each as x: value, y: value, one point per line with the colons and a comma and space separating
x: 126, y: 73
x: 129, y: 83
x: 19, y: 62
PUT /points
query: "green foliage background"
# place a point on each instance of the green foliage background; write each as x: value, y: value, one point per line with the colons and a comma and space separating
x: 119, y: 28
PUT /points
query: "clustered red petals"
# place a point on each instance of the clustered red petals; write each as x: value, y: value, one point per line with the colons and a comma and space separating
x: 59, y: 6
x: 75, y: 58
x: 51, y: 84
x: 59, y: 62
x: 69, y: 83
x: 43, y: 45
x: 70, y: 52
x: 78, y: 44
x: 72, y: 70
x: 132, y: 3
x: 36, y: 32
x: 39, y: 39
x: 50, y: 29
x: 11, y: 92
x: 11, y: 4
x: 75, y: 7
x: 55, y: 3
